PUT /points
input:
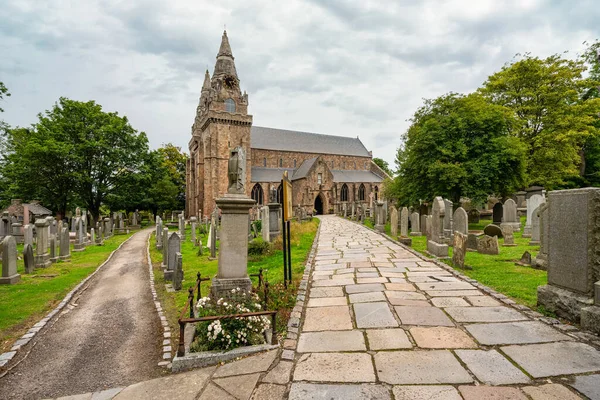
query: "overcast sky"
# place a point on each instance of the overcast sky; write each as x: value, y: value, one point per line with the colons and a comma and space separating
x: 351, y: 68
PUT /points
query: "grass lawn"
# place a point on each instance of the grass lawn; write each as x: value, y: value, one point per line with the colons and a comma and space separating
x: 303, y: 235
x: 499, y: 271
x: 25, y: 303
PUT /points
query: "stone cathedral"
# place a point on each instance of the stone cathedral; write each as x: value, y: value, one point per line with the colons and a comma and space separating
x: 326, y: 171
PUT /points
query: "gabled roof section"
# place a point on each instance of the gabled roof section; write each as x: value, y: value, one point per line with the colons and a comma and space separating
x: 347, y: 176
x: 262, y: 174
x: 305, y: 167
x: 305, y: 142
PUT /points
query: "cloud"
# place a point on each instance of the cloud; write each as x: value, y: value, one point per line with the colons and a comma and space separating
x: 329, y: 66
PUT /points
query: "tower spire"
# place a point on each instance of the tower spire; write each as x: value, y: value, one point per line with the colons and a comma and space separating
x: 206, y: 84
x: 225, y: 65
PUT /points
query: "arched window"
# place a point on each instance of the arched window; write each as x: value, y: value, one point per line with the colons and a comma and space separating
x: 257, y: 194
x: 280, y: 162
x: 280, y: 194
x: 264, y: 162
x: 294, y: 163
x: 230, y: 105
x: 376, y: 193
x: 361, y: 192
x: 344, y: 192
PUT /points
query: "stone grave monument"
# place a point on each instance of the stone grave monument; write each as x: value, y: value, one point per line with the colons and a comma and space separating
x: 42, y: 257
x: 28, y: 259
x: 9, y: 262
x: 436, y: 244
x: 509, y: 215
x: 393, y: 221
x: 415, y: 224
x: 460, y: 221
x: 64, y: 249
x: 533, y: 203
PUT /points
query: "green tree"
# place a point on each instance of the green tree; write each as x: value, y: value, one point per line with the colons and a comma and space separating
x: 458, y: 146
x: 75, y: 154
x: 3, y: 92
x: 554, y: 120
x: 174, y: 160
x: 381, y: 163
x: 591, y: 148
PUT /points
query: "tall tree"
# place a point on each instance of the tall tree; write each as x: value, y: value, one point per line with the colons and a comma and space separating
x: 3, y: 93
x: 381, y: 163
x: 554, y: 119
x: 75, y: 153
x: 458, y: 146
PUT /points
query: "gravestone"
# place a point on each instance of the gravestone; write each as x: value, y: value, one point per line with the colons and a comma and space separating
x: 174, y: 248
x: 492, y: 230
x: 472, y: 242
x: 100, y: 236
x: 42, y: 257
x: 460, y: 221
x: 182, y: 226
x: 353, y: 210
x: 264, y: 221
x: 159, y: 229
x: 573, y: 289
x: 521, y: 199
x: 497, y: 212
x: 459, y: 249
x: 436, y: 245
x: 423, y: 220
x: 274, y: 224
x: 404, y: 222
x: 53, y: 254
x: 428, y: 235
x: 212, y: 239
x: 9, y: 262
x: 65, y: 249
x: 541, y: 260
x: 509, y: 215
x: 525, y: 260
x: 93, y: 235
x: 165, y: 247
x: 393, y: 221
x: 193, y: 221
x: 535, y: 227
x: 17, y: 231
x: 79, y: 240
x: 379, y: 216
x: 488, y: 245
x: 28, y: 259
x: 415, y: 224
x: 533, y: 203
x: 449, y: 206
x: 28, y: 234
x: 178, y: 273
x: 507, y: 233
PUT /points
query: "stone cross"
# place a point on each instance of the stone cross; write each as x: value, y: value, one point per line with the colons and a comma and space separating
x: 393, y: 221
x: 9, y: 262
x: 460, y: 221
x: 65, y: 249
x: 415, y: 224
x: 42, y: 258
x: 404, y: 222
x: 28, y: 259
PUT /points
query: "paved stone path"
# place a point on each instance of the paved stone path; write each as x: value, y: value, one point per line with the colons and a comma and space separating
x: 108, y: 336
x: 379, y: 322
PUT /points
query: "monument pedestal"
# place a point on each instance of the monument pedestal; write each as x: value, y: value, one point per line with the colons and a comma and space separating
x: 437, y: 249
x: 233, y: 249
x: 274, y: 225
x: 9, y: 280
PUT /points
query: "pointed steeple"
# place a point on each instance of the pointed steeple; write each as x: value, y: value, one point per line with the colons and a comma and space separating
x: 225, y: 65
x: 206, y: 84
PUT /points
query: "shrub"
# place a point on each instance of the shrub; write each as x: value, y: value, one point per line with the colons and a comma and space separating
x: 258, y: 224
x: 258, y: 247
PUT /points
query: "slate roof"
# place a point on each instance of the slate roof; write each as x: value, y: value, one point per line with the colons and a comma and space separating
x: 38, y: 209
x: 355, y: 176
x: 262, y: 174
x: 305, y: 142
x: 304, y: 168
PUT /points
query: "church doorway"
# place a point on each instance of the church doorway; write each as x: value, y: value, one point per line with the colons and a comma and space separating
x: 319, y: 205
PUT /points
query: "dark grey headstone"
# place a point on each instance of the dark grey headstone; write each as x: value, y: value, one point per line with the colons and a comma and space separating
x: 474, y: 216
x: 497, y: 212
x: 472, y: 241
x: 525, y: 260
x: 28, y: 259
x: 493, y: 230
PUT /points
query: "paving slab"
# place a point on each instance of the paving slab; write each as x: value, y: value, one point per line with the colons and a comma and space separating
x: 373, y: 274
x: 515, y: 333
x: 491, y: 368
x: 388, y: 339
x: 366, y: 287
x: 420, y: 367
x: 240, y: 386
x: 335, y: 367
x: 453, y: 293
x: 326, y: 292
x: 540, y: 360
x: 336, y: 318
x: 371, y: 280
x: 418, y: 303
x: 431, y: 316
x: 333, y: 282
x: 312, y: 391
x: 280, y: 374
x: 314, y: 342
x: 366, y: 297
x: 269, y: 391
x: 255, y: 363
x: 491, y: 393
x: 484, y: 314
x: 426, y: 393
x: 444, y: 286
x: 374, y: 315
x: 483, y: 301
x: 440, y: 337
x: 327, y: 301
x: 588, y: 385
x: 107, y: 394
x: 390, y: 294
x: 403, y: 287
x: 213, y: 392
x: 553, y: 391
x: 449, y: 302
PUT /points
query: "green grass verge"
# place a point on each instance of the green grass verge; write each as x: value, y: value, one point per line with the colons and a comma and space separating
x: 303, y: 235
x: 26, y: 302
x: 499, y: 272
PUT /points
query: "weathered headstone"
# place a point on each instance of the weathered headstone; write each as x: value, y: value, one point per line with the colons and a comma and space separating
x: 535, y: 227
x: 474, y: 216
x: 488, y: 245
x: 573, y: 291
x: 509, y: 215
x: 174, y: 248
x: 212, y: 239
x: 93, y: 235
x: 53, y: 254
x: 423, y: 219
x: 42, y: 257
x: 100, y: 236
x: 492, y: 230
x: 449, y: 206
x: 379, y: 216
x: 9, y: 262
x: 497, y: 212
x: 28, y: 259
x: 507, y: 233
x: 193, y: 221
x: 393, y: 221
x: 472, y: 242
x: 415, y: 224
x: 274, y: 224
x: 428, y: 232
x: 28, y: 234
x: 178, y: 272
x: 532, y: 203
x: 159, y: 230
x: 182, y: 226
x: 264, y: 223
x: 65, y: 249
x: 165, y: 247
x: 404, y: 222
x: 541, y: 260
x: 436, y: 245
x: 521, y: 199
x: 460, y: 221
x: 525, y: 260
x: 79, y: 239
x: 459, y: 249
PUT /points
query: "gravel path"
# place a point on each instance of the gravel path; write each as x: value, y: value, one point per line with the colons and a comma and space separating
x: 109, y: 338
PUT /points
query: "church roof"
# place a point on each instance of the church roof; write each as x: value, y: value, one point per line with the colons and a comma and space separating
x: 304, y: 168
x: 263, y: 174
x: 305, y: 142
x: 355, y: 176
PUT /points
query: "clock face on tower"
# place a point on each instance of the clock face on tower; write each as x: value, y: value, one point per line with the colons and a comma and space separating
x: 229, y: 82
